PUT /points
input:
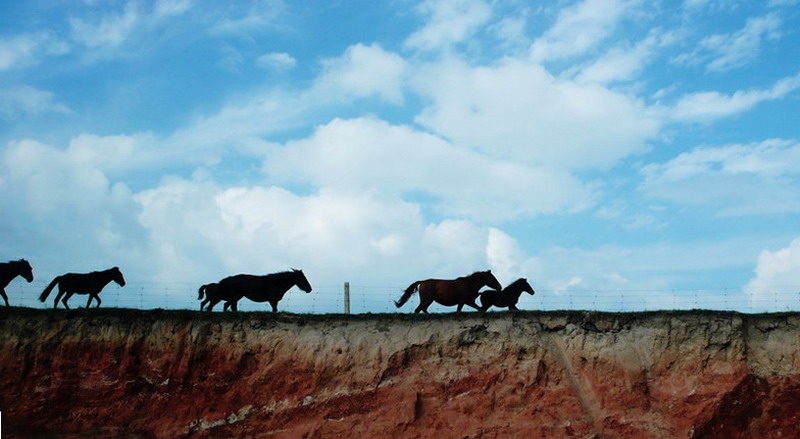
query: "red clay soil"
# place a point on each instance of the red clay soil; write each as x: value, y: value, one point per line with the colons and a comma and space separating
x: 124, y: 373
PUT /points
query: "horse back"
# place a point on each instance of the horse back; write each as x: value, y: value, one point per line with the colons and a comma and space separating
x: 254, y: 287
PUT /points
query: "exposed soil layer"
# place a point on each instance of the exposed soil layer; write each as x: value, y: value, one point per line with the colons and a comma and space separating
x: 166, y: 374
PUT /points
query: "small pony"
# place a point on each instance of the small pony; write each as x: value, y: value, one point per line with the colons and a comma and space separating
x: 507, y: 297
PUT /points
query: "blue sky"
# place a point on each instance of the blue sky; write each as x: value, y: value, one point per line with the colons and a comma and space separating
x: 647, y: 149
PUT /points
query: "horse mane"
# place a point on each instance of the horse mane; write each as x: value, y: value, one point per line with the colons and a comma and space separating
x: 476, y: 273
x: 516, y: 283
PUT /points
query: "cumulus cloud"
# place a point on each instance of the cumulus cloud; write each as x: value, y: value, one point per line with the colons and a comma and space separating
x: 449, y: 22
x: 80, y: 214
x: 27, y: 49
x: 276, y: 61
x: 201, y: 230
x: 777, y: 278
x: 742, y: 179
x: 370, y: 154
x: 520, y: 111
x: 361, y: 72
x: 579, y: 28
x: 110, y: 30
x: 30, y: 100
x: 624, y: 63
x: 723, y: 52
x: 712, y: 106
x: 260, y: 15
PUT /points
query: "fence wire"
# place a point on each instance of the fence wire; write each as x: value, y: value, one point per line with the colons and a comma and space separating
x: 325, y: 299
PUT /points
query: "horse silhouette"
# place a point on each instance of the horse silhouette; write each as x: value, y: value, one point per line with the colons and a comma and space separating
x: 267, y: 288
x: 82, y: 283
x: 211, y: 293
x: 10, y: 270
x: 507, y: 297
x: 449, y: 292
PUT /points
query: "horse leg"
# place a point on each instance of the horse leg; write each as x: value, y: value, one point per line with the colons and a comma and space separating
x: 3, y: 293
x: 513, y: 308
x: 473, y: 304
x: 274, y: 304
x: 460, y: 306
x: 89, y: 302
x: 66, y: 298
x: 424, y: 303
x: 97, y: 298
x: 58, y: 297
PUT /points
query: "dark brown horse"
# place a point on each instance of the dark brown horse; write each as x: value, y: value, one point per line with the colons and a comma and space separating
x: 268, y: 288
x: 507, y: 297
x: 82, y: 283
x: 461, y: 291
x: 12, y: 269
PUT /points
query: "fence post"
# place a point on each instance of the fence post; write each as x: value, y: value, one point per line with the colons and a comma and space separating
x: 347, y: 297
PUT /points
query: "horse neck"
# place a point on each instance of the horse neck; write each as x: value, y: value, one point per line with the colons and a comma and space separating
x: 284, y: 280
x: 515, y: 289
x: 106, y: 276
x: 475, y: 281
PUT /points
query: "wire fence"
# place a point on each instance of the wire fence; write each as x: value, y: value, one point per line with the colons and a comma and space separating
x: 325, y: 299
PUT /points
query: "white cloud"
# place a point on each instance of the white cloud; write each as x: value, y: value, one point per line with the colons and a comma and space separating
x: 72, y: 205
x: 202, y: 231
x: 745, y: 179
x: 707, y: 107
x: 261, y: 15
x: 166, y: 8
x: 723, y: 52
x: 506, y: 257
x: 361, y: 72
x: 276, y: 61
x: 370, y: 154
x: 777, y: 278
x: 623, y: 63
x: 449, y: 22
x: 109, y: 31
x: 26, y: 49
x: 579, y: 28
x: 521, y: 112
x: 26, y: 99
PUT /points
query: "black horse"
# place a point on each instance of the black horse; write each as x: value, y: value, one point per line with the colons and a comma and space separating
x: 268, y: 288
x: 82, y: 283
x: 448, y: 292
x: 507, y: 297
x: 10, y: 270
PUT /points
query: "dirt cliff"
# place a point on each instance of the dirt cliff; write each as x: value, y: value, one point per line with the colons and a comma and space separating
x: 125, y: 373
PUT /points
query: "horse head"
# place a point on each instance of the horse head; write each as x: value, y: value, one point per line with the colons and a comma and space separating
x: 301, y: 281
x: 117, y: 276
x: 489, y: 280
x: 526, y: 286
x: 26, y: 271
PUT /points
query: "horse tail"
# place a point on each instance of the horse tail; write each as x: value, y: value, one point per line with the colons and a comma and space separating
x: 49, y: 288
x: 407, y: 294
x: 201, y: 291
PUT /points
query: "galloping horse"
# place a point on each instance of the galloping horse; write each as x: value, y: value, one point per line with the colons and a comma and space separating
x: 82, y: 283
x: 211, y: 291
x: 461, y: 291
x: 508, y: 297
x: 10, y: 270
x: 268, y: 288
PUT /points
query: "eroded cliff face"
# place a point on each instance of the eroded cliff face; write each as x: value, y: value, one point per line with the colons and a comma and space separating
x: 114, y: 373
